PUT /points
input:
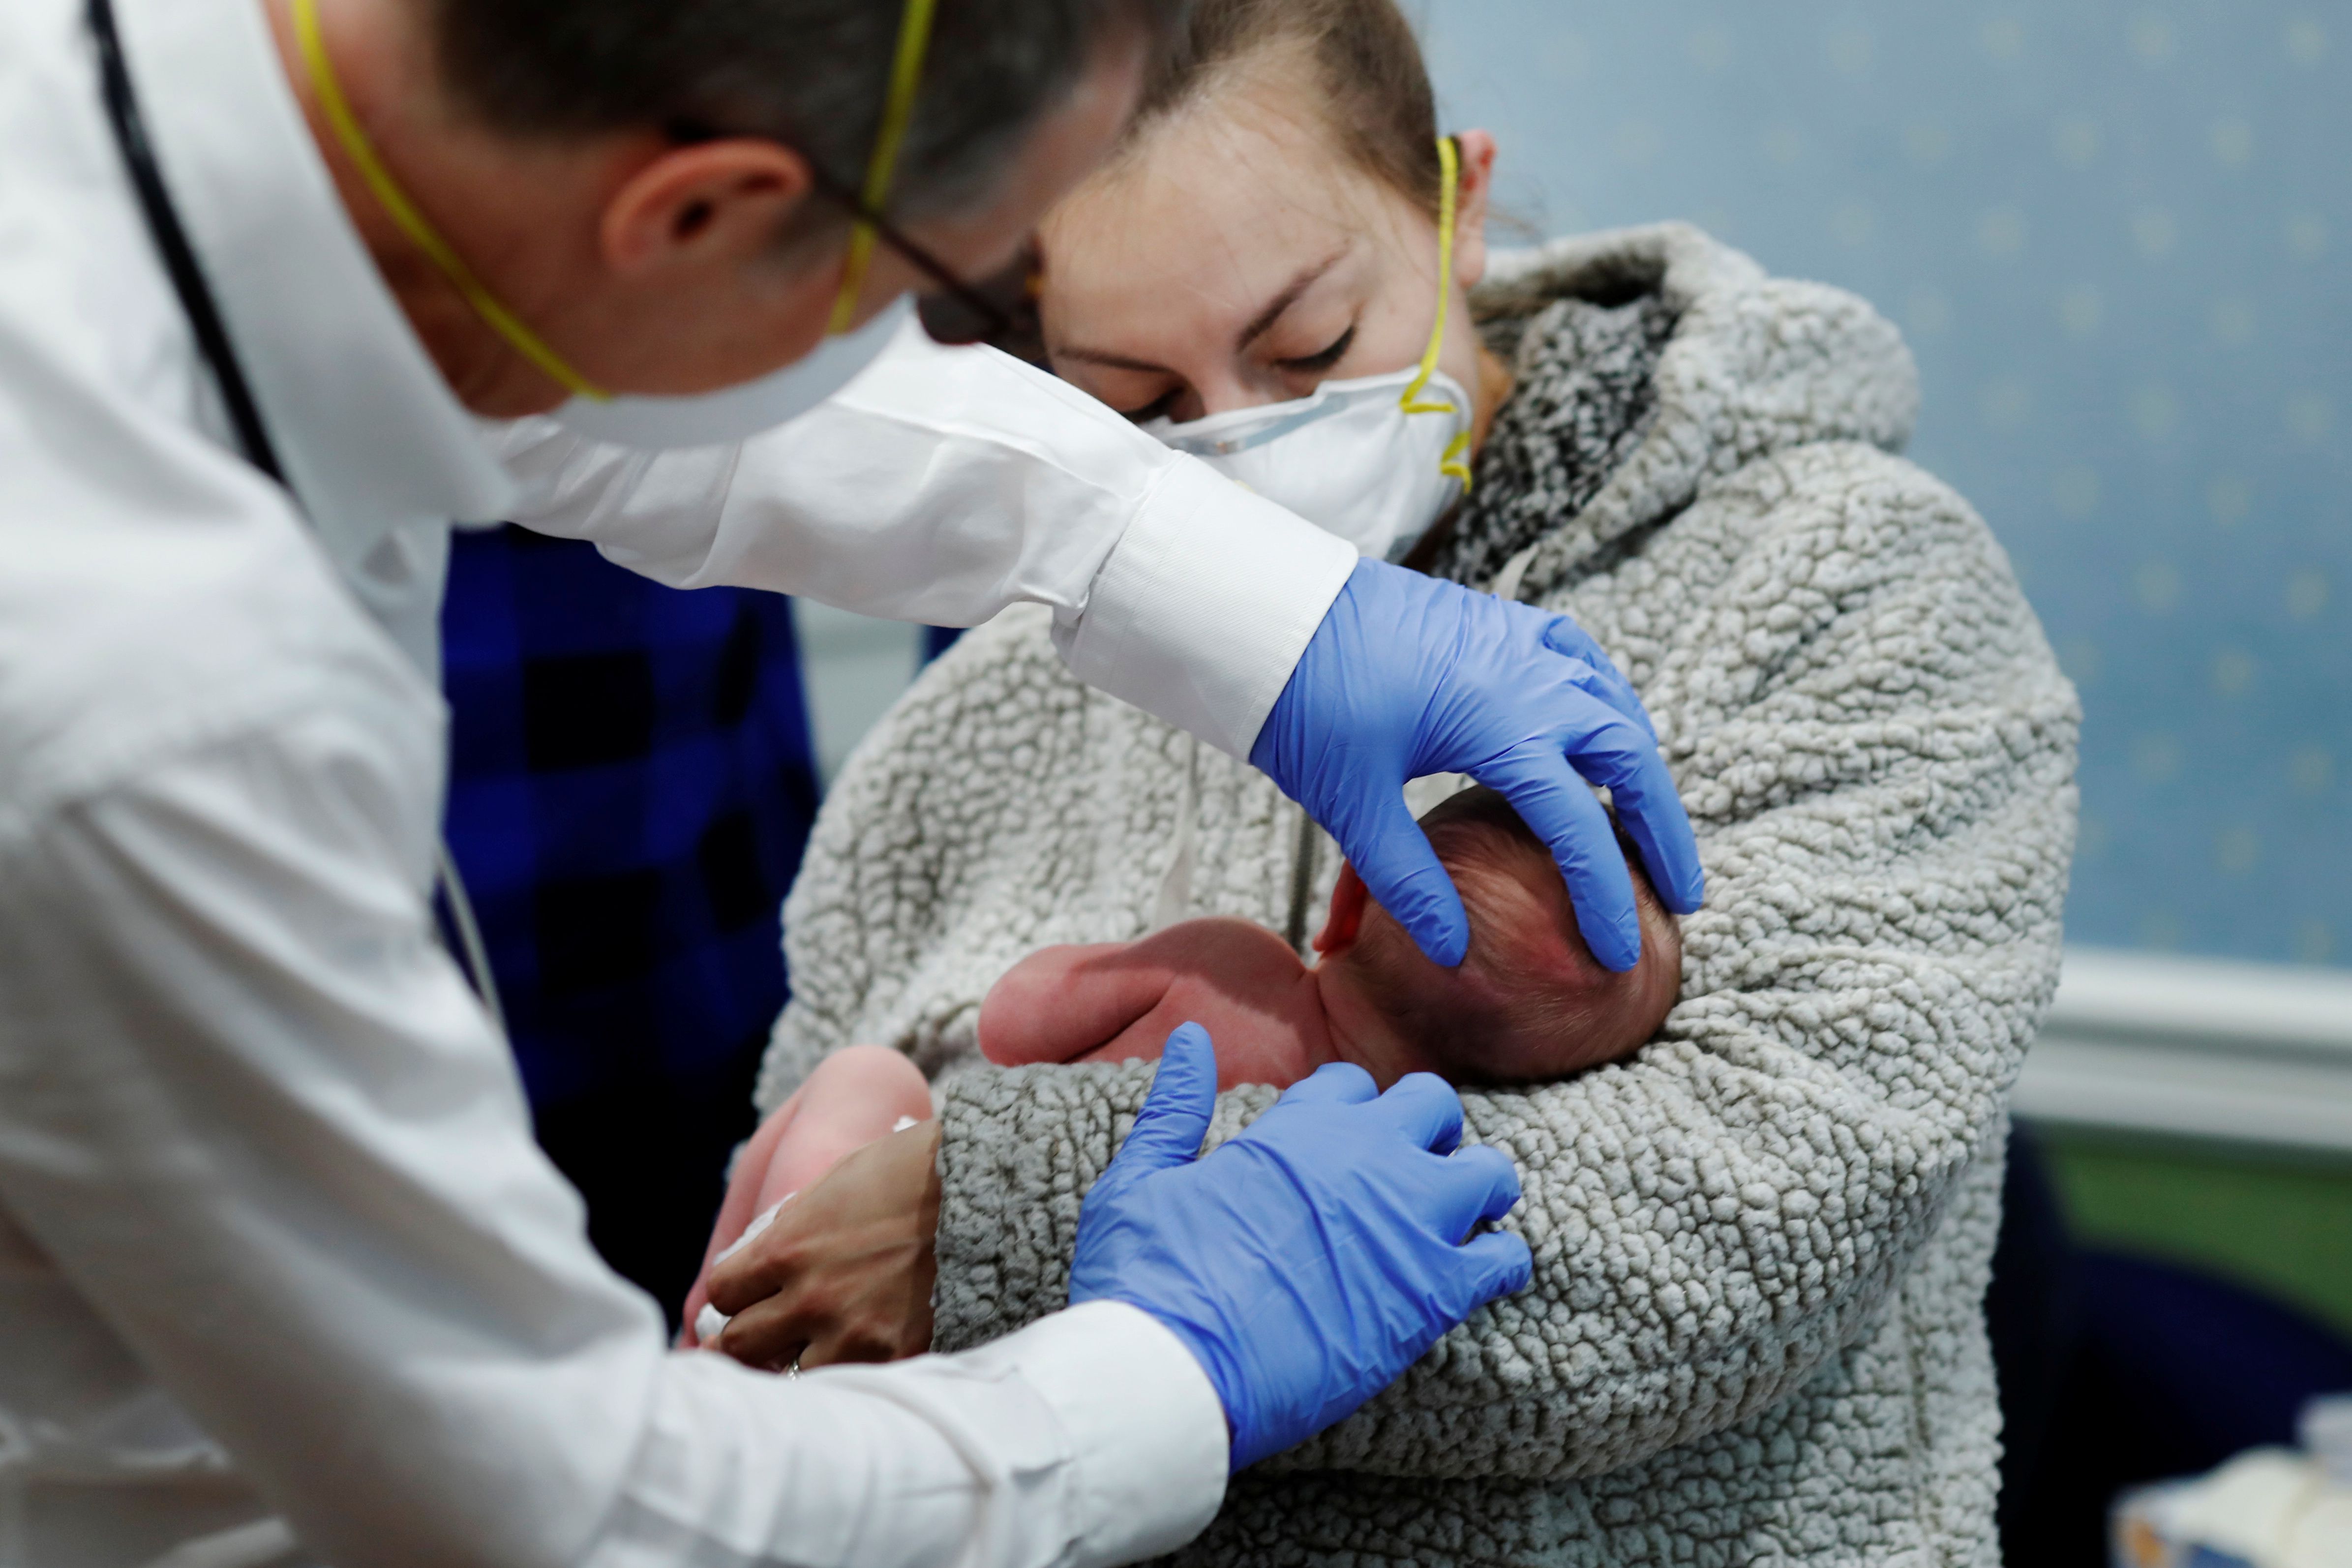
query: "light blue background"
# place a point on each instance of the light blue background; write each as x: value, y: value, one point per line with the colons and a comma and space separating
x: 2117, y: 237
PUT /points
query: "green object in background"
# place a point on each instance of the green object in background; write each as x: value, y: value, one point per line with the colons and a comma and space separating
x: 2280, y: 1224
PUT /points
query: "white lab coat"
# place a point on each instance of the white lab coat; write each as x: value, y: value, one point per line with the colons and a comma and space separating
x: 282, y: 1275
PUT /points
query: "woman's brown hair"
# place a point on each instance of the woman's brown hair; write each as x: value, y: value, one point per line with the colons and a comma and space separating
x: 1377, y: 102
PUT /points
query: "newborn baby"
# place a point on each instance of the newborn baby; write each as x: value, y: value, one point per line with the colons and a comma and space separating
x: 1529, y: 1002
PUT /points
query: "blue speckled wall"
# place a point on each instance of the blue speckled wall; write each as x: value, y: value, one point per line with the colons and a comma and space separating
x: 2117, y: 237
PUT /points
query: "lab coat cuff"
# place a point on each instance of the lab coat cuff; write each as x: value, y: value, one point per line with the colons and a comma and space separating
x: 1146, y: 1427
x: 1205, y: 604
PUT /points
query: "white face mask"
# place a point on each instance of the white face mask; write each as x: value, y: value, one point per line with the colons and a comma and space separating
x: 1377, y: 460
x: 738, y: 413
x: 1350, y: 458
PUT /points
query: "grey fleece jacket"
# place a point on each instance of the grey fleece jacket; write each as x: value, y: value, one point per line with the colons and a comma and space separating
x: 1756, y: 1330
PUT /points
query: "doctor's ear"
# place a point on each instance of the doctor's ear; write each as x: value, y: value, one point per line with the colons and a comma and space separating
x: 722, y: 202
x: 1346, y: 917
x: 1477, y: 186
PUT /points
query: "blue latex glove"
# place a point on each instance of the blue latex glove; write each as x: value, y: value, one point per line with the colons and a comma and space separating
x: 1411, y: 675
x: 1313, y: 1259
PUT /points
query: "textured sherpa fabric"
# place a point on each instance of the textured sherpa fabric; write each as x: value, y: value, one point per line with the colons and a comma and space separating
x: 1586, y: 380
x: 1756, y: 1333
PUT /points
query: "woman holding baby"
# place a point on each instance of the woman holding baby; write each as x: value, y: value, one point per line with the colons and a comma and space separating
x: 1761, y: 1169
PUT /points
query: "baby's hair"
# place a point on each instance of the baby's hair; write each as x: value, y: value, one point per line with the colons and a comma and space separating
x: 1529, y: 986
x: 1374, y: 86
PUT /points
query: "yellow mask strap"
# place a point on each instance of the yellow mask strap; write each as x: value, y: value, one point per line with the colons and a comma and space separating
x: 1449, y: 165
x: 414, y: 224
x: 897, y: 108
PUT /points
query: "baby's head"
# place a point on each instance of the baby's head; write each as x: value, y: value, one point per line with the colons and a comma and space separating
x: 1529, y: 1001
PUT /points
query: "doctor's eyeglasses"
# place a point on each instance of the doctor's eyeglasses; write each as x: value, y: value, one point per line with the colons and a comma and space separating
x: 1000, y: 309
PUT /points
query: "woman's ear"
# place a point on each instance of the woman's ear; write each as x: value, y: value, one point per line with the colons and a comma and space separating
x: 1477, y: 184
x: 1346, y: 917
x: 720, y: 203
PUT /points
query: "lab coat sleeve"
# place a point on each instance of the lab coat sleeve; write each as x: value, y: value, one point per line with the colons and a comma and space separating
x: 945, y: 484
x: 250, y: 1109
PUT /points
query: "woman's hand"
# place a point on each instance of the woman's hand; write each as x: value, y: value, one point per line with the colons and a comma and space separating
x: 845, y: 1273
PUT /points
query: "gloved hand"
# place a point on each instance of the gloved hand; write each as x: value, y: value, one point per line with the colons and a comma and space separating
x: 1411, y: 675
x: 1313, y: 1259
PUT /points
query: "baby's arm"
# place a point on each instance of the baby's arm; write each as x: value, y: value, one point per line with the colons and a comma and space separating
x: 1060, y: 1003
x: 1114, y: 1002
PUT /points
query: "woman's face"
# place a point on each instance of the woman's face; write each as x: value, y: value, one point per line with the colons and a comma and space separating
x: 1236, y: 257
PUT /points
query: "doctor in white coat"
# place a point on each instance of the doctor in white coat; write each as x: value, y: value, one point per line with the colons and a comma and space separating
x: 289, y: 287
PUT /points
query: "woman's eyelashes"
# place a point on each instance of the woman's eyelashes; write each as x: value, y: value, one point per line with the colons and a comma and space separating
x: 1317, y: 363
x: 1164, y: 405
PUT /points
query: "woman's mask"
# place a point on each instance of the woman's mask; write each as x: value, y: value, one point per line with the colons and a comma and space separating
x: 1350, y: 458
x: 1377, y: 460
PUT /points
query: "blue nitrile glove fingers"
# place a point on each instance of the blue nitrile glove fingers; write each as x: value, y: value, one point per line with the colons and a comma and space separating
x: 1423, y: 1107
x: 1478, y: 1183
x: 1564, y: 636
x: 1411, y: 675
x: 1565, y: 814
x: 1174, y: 1118
x: 1313, y: 1259
x: 1637, y: 780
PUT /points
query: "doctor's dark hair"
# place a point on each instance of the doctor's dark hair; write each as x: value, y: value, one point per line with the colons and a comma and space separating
x: 1373, y: 85
x: 811, y: 73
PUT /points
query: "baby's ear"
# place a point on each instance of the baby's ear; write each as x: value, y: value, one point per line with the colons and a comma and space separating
x: 1346, y: 917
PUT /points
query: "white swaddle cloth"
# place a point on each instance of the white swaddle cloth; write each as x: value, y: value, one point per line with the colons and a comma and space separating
x: 708, y: 1321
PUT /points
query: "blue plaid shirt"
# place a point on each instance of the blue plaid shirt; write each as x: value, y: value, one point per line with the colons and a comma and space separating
x: 631, y: 784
